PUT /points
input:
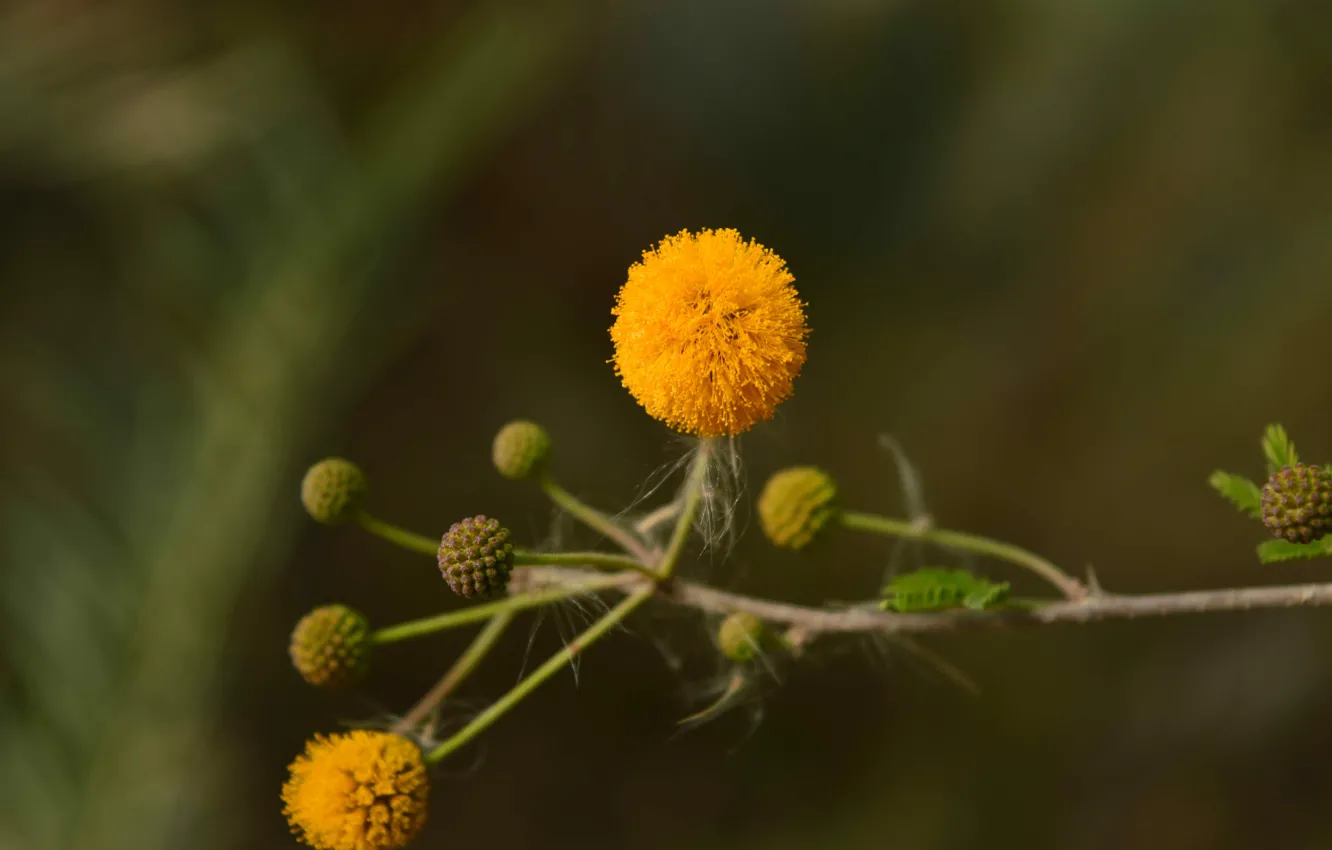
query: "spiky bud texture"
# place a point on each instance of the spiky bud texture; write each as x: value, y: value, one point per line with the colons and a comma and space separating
x: 1297, y: 503
x: 795, y: 504
x: 520, y: 449
x: 476, y: 557
x: 330, y: 646
x: 739, y: 636
x: 333, y: 490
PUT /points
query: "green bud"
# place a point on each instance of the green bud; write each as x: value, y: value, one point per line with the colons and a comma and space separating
x: 1297, y: 503
x: 795, y: 505
x: 520, y: 449
x: 740, y: 636
x: 476, y: 557
x: 330, y: 646
x: 333, y: 490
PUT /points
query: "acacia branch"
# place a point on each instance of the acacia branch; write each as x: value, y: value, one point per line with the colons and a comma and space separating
x: 1093, y: 608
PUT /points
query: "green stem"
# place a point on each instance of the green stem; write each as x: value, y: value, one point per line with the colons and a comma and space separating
x: 596, y: 520
x: 400, y: 536
x: 476, y: 613
x: 1069, y: 586
x: 461, y: 669
x: 527, y: 558
x: 692, y: 499
x: 552, y: 666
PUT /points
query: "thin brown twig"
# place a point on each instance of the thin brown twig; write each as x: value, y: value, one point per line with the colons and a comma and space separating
x: 1103, y: 606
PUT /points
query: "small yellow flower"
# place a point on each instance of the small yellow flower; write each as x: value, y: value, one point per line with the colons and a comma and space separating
x: 364, y: 790
x: 709, y: 333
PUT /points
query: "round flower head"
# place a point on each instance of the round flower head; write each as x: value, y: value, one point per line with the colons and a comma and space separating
x: 1297, y: 503
x: 709, y: 333
x: 520, y: 449
x: 795, y: 505
x: 332, y: 490
x: 330, y: 646
x: 476, y: 557
x: 363, y: 790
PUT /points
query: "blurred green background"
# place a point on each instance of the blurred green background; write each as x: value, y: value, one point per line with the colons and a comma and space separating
x: 1073, y: 254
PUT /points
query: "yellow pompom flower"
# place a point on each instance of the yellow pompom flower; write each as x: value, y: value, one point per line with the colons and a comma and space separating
x: 709, y: 333
x: 363, y: 790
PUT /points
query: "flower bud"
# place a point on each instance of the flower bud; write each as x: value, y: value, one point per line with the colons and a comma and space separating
x: 333, y: 490
x: 1297, y: 503
x: 795, y: 504
x: 739, y: 636
x: 330, y: 646
x: 476, y: 557
x: 520, y: 449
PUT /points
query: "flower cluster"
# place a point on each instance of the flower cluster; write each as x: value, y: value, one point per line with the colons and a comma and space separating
x: 709, y: 336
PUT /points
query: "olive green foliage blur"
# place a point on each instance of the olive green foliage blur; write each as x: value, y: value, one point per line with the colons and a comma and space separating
x: 1073, y: 254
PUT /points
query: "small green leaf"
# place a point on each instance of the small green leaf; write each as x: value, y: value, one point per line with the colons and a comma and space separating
x: 938, y: 589
x: 1276, y: 551
x: 1278, y: 448
x: 1239, y: 491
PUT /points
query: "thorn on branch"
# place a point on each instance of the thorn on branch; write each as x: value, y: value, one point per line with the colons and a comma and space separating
x: 1094, y: 588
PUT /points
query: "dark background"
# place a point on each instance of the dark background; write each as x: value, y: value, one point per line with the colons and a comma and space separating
x: 1073, y: 255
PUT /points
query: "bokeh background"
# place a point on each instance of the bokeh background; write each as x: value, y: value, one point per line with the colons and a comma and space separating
x: 1073, y: 254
